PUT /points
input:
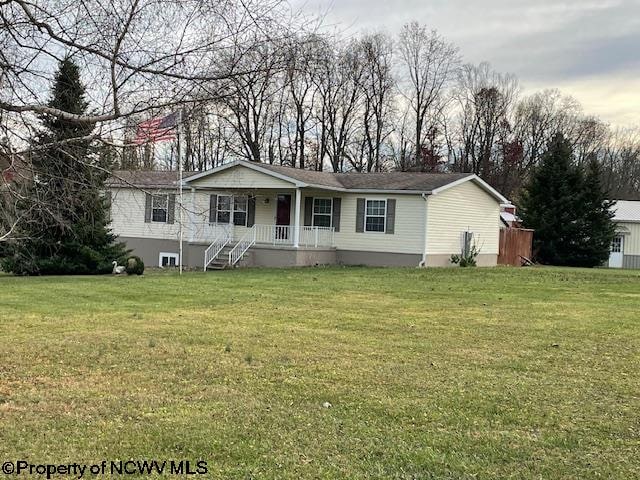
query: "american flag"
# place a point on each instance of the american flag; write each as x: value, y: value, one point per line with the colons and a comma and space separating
x: 157, y: 129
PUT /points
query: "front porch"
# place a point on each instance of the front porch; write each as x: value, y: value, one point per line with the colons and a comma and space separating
x: 242, y: 219
x: 238, y: 209
x: 266, y: 242
x: 267, y: 235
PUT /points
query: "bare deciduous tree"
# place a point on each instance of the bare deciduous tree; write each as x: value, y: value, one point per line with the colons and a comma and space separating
x: 377, y: 86
x: 484, y: 101
x: 340, y: 95
x: 429, y: 64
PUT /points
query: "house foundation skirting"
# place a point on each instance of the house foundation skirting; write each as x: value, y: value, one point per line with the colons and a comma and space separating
x: 149, y: 250
x: 631, y: 261
x: 377, y: 259
x: 268, y: 256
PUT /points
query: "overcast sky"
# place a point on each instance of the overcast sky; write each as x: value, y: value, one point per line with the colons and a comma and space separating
x: 587, y: 48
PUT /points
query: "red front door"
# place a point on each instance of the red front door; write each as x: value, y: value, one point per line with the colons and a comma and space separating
x: 283, y: 216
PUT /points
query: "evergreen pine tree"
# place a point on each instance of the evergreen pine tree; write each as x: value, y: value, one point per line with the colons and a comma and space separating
x: 550, y: 205
x: 65, y: 228
x: 598, y: 229
x: 568, y: 210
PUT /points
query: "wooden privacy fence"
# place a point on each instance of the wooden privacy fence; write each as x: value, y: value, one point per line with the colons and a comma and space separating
x: 515, y: 244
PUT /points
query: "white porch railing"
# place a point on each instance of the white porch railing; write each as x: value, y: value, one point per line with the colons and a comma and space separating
x: 244, y: 244
x: 274, y: 234
x: 284, y: 235
x: 317, y: 236
x: 216, y: 247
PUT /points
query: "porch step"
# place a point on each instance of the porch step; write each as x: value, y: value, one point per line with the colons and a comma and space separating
x: 221, y: 262
x: 218, y: 266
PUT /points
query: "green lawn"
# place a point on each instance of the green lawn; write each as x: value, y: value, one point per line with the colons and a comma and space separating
x: 456, y: 373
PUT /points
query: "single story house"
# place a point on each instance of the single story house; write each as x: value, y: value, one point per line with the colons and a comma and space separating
x: 266, y: 215
x: 625, y: 248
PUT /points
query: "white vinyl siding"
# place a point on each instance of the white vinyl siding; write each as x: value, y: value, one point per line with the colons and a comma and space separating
x: 465, y: 207
x: 127, y: 216
x: 632, y: 240
x: 242, y: 178
x: 409, y: 224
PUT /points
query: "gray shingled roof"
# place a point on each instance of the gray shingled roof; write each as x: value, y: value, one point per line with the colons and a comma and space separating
x: 370, y: 181
x: 144, y: 178
x: 410, y: 181
x: 422, y: 182
x: 307, y: 176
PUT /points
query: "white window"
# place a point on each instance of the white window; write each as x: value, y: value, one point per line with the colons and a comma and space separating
x: 224, y: 208
x: 168, y: 259
x: 375, y: 216
x: 240, y: 211
x: 232, y: 210
x: 322, y: 211
x: 616, y: 245
x: 159, y: 208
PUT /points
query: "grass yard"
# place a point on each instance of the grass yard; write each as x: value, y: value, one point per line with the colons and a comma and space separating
x: 458, y: 373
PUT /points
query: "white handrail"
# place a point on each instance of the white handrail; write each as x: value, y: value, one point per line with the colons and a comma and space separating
x: 283, y: 235
x: 244, y: 244
x: 216, y: 247
x: 317, y: 236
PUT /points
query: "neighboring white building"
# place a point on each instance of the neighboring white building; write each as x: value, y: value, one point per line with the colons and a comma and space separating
x: 625, y: 248
x: 266, y: 215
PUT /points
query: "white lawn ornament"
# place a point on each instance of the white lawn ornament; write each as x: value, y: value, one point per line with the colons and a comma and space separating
x: 118, y: 269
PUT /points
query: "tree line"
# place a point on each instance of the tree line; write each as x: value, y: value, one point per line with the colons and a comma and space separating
x: 260, y: 82
x: 378, y: 103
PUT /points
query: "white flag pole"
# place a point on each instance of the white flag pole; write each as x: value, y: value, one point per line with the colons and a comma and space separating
x: 180, y: 189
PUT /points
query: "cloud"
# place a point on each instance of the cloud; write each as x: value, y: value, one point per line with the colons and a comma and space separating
x: 588, y: 48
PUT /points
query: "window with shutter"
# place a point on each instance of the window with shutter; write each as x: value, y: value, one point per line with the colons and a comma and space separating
x: 375, y: 216
x: 159, y: 208
x: 322, y: 212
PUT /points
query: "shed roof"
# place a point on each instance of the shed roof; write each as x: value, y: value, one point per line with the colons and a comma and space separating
x: 627, y: 211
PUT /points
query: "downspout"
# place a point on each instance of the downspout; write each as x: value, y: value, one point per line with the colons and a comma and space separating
x: 192, y: 217
x: 423, y: 263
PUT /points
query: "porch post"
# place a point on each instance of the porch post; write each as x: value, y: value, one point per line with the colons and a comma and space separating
x: 296, y: 221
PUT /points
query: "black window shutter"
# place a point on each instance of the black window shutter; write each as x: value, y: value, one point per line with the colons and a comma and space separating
x: 308, y: 211
x: 213, y: 208
x: 171, y: 208
x: 360, y: 215
x: 147, y: 208
x: 337, y: 201
x: 251, y: 211
x: 391, y: 216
